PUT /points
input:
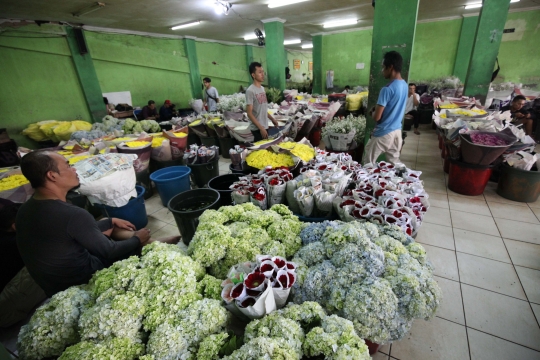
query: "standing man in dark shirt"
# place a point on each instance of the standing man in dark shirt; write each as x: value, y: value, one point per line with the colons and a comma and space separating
x: 61, y: 244
x: 519, y: 115
x: 149, y: 112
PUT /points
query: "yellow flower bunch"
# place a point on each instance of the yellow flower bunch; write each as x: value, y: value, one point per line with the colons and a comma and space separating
x: 180, y: 135
x: 448, y: 106
x: 157, y: 141
x: 133, y: 144
x: 479, y: 111
x: 102, y: 151
x: 259, y: 159
x: 76, y: 159
x: 195, y: 123
x: 127, y: 138
x: 303, y: 151
x: 12, y: 182
x: 69, y: 147
x: 65, y: 152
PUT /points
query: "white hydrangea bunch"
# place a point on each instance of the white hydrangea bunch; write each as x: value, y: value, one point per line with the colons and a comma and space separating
x: 54, y: 326
x: 232, y: 102
x: 114, y: 348
x: 209, y: 348
x: 376, y: 276
x: 346, y: 125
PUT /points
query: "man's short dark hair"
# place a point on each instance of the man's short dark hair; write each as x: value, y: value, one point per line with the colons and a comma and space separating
x: 347, y: 87
x: 150, y: 102
x: 36, y: 165
x: 253, y: 67
x: 207, y: 79
x: 393, y: 58
x: 519, y: 98
x: 412, y: 84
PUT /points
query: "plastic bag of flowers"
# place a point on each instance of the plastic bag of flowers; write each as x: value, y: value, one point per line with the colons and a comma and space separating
x: 375, y: 276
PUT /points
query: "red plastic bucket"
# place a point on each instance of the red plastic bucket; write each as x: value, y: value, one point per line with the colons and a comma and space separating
x: 468, y: 179
x: 443, y: 151
x: 315, y: 137
x: 441, y: 142
x: 447, y: 164
x: 373, y: 347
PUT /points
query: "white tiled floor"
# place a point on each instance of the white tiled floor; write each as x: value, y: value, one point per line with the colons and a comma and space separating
x: 486, y: 253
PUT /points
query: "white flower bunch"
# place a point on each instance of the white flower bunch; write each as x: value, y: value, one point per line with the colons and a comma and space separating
x: 373, y: 275
x: 232, y: 102
x: 346, y: 125
x: 235, y: 234
x: 114, y: 348
x: 209, y: 348
x: 53, y: 326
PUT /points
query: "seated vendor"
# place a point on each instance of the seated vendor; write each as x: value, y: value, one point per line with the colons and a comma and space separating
x: 61, y: 244
x: 519, y: 115
x: 149, y: 112
x: 166, y: 111
x: 19, y: 293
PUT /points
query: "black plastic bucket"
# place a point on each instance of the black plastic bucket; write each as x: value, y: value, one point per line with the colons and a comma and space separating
x: 203, y: 173
x: 186, y: 208
x: 519, y: 185
x: 236, y: 171
x: 210, y: 141
x: 222, y: 185
x: 226, y: 144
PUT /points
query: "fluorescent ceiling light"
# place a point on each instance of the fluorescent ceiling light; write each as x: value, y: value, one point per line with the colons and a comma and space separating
x: 514, y: 1
x: 251, y: 37
x: 307, y: 46
x: 473, y: 6
x: 278, y: 3
x: 185, y: 25
x: 291, y: 42
x: 95, y: 6
x: 340, y: 23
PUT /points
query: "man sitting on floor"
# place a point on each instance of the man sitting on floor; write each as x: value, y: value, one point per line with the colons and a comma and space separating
x: 61, y: 244
x: 519, y: 115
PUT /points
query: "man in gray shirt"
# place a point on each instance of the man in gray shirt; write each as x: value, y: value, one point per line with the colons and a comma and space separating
x: 256, y: 103
x: 211, y: 96
x: 61, y: 244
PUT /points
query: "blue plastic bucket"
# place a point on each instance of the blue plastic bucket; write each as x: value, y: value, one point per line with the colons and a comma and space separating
x: 171, y: 181
x: 134, y: 211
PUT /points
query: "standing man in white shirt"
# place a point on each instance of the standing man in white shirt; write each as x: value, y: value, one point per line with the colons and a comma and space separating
x: 413, y: 99
x: 257, y: 105
x: 211, y: 96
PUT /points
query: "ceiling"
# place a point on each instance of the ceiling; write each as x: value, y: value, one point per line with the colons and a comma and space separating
x: 302, y: 19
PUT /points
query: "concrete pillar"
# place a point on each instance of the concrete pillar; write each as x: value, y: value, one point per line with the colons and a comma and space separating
x: 465, y: 46
x: 275, y: 52
x: 194, y: 72
x: 486, y: 45
x: 394, y: 28
x: 318, y: 76
x: 84, y: 66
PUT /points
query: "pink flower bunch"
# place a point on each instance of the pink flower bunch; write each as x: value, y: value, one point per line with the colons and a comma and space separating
x: 487, y: 139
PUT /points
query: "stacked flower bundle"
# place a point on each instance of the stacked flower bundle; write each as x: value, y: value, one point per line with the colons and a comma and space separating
x: 258, y: 288
x: 235, y: 234
x: 232, y: 102
x: 301, y: 330
x: 264, y: 189
x: 348, y: 125
x: 373, y: 275
x: 385, y: 195
x: 160, y: 295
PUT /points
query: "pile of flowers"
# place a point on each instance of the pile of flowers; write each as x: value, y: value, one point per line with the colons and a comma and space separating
x: 264, y: 190
x: 164, y: 294
x: 12, y: 182
x: 259, y: 159
x: 487, y: 139
x: 346, y: 126
x: 232, y: 102
x: 136, y: 127
x: 375, y: 276
x: 235, y: 234
x: 301, y: 330
x: 302, y: 151
x: 250, y: 283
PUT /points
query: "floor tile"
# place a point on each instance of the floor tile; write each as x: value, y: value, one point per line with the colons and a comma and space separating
x: 433, y: 174
x: 152, y: 205
x: 438, y: 216
x: 167, y: 230
x: 385, y: 349
x: 483, y: 245
x: 491, y: 195
x: 155, y: 224
x: 444, y: 262
x: 524, y: 254
x: 163, y: 215
x: 474, y: 206
x: 488, y: 347
x: 536, y: 310
x: 513, y: 212
x: 380, y: 356
x: 530, y: 279
x: 432, y: 187
x: 455, y: 194
x: 536, y: 212
x: 438, y: 200
x: 490, y: 275
x: 501, y: 315
x: 434, y: 339
x: 437, y: 235
x: 517, y: 230
x: 451, y: 307
x: 535, y: 204
x: 477, y: 223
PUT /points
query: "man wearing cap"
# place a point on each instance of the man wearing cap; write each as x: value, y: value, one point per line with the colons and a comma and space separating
x: 149, y: 112
x: 165, y: 112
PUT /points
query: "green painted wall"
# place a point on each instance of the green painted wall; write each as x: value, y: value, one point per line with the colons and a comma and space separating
x: 303, y: 56
x: 39, y: 81
x: 150, y: 68
x: 341, y: 53
x: 519, y: 54
x: 225, y: 65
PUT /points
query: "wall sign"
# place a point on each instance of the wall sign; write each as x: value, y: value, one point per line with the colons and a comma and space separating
x: 310, y: 66
x: 296, y: 64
